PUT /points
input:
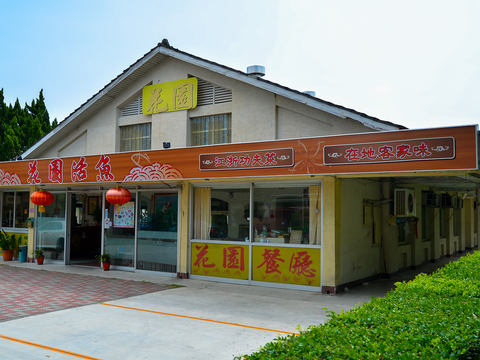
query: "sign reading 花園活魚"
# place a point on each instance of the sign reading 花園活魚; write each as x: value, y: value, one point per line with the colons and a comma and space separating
x: 170, y: 96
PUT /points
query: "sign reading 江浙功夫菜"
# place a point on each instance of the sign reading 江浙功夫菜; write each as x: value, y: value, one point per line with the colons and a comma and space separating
x: 247, y: 159
x: 390, y: 151
x: 170, y: 96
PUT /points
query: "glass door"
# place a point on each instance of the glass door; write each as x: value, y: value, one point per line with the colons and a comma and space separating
x: 157, y: 231
x: 85, y: 238
x: 119, y: 232
x: 50, y: 233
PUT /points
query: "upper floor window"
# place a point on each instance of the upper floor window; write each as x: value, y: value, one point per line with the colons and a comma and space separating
x: 135, y: 137
x: 209, y: 130
x: 15, y: 207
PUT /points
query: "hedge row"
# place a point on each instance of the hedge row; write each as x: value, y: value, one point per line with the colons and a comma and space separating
x: 432, y: 317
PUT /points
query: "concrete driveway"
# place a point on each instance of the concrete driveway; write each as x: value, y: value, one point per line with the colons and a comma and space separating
x: 153, y: 319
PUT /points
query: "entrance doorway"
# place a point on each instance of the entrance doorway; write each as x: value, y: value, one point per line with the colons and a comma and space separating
x: 85, y: 228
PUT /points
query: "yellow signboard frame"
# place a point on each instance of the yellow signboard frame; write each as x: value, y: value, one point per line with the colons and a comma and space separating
x: 279, y: 264
x: 170, y: 96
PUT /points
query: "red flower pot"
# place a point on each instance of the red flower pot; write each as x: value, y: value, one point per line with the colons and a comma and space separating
x: 40, y: 260
x: 106, y: 266
x: 7, y: 255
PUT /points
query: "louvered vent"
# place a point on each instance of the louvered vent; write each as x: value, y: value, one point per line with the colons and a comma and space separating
x: 134, y: 108
x: 210, y: 94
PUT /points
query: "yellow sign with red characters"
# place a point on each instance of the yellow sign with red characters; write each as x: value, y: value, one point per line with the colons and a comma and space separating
x: 288, y: 265
x: 170, y: 96
x: 228, y: 261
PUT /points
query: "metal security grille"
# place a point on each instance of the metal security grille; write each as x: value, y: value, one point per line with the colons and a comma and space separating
x: 211, y: 94
x: 133, y: 108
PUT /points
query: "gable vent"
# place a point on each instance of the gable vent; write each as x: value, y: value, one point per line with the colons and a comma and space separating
x: 211, y: 94
x: 133, y: 108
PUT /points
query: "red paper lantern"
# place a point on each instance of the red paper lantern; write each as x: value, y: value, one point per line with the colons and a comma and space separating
x: 118, y: 195
x: 41, y: 198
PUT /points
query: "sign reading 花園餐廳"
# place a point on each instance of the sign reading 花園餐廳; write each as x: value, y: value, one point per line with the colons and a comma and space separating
x: 170, y: 96
x: 289, y: 265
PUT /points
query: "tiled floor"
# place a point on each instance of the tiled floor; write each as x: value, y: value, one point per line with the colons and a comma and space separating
x: 25, y: 292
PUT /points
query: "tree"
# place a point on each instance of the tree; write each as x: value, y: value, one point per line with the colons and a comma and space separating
x: 20, y: 128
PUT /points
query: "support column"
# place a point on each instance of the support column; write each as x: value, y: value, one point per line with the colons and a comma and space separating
x: 184, y: 216
x: 448, y: 223
x: 389, y: 230
x: 469, y: 224
x: 461, y: 235
x: 436, y: 249
x: 331, y: 248
x: 31, y: 230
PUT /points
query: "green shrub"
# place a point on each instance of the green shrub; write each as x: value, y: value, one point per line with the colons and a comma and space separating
x: 431, y: 317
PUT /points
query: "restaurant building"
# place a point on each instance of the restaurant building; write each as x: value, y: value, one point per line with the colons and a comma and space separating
x: 234, y: 178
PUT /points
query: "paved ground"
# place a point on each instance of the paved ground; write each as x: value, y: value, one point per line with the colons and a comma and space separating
x: 26, y: 292
x: 138, y: 316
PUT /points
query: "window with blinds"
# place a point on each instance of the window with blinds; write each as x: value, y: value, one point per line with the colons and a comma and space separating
x: 211, y: 94
x: 133, y: 108
x: 209, y: 130
x: 135, y: 137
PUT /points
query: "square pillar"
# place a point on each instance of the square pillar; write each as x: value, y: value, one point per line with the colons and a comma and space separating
x: 469, y: 224
x: 184, y: 216
x: 331, y: 243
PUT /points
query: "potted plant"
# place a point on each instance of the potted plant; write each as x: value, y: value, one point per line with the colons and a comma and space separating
x: 7, y: 244
x: 105, y: 259
x: 39, y: 255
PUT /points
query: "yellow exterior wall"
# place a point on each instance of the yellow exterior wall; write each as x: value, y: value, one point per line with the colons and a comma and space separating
x: 361, y: 257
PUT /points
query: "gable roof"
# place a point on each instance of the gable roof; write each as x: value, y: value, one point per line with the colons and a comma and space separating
x: 162, y: 51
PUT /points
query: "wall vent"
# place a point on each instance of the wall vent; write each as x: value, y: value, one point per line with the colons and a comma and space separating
x: 211, y: 94
x: 133, y: 108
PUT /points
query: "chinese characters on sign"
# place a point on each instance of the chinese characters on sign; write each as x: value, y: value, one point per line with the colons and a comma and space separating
x: 390, y: 151
x: 33, y: 175
x: 170, y: 96
x: 228, y: 261
x: 289, y: 265
x: 247, y: 160
x: 79, y: 170
x: 300, y: 266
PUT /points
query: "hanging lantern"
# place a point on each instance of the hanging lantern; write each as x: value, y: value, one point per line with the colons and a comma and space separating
x: 118, y: 195
x: 41, y: 198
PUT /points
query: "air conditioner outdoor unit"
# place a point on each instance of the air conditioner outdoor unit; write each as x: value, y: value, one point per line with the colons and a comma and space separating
x: 430, y: 199
x: 446, y: 201
x: 455, y: 202
x: 459, y: 202
x: 405, y: 203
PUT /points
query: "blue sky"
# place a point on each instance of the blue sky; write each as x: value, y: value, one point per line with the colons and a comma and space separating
x: 414, y: 63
